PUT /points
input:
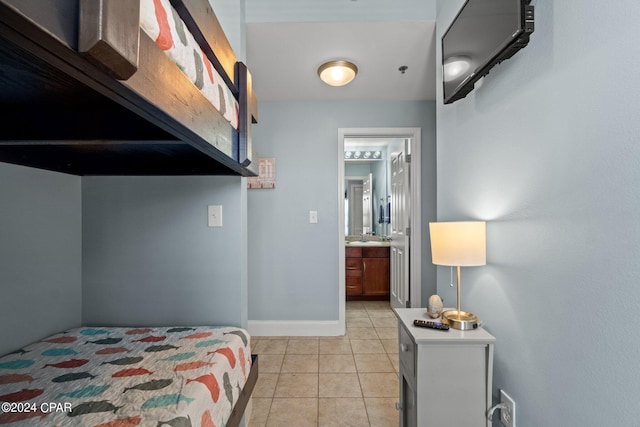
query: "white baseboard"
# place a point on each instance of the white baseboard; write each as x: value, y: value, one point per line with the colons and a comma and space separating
x: 295, y: 328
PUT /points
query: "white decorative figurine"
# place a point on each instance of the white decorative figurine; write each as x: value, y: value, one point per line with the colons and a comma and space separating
x: 434, y: 306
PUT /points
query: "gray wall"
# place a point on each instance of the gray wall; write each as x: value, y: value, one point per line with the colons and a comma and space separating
x: 231, y: 15
x: 149, y: 257
x: 293, y: 265
x: 547, y: 151
x: 40, y: 254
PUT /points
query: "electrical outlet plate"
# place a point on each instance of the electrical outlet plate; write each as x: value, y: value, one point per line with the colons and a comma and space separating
x: 508, y: 415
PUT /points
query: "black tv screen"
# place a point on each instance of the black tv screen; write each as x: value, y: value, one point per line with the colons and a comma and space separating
x: 484, y: 33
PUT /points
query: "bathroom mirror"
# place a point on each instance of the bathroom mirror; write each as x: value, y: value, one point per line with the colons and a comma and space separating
x: 366, y: 187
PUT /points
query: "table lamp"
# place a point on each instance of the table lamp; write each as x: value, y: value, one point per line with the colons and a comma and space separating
x: 459, y: 244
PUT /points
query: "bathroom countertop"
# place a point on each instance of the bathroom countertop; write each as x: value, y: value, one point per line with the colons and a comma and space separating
x: 368, y: 243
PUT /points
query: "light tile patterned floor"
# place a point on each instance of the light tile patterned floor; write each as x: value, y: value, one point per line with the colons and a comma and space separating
x: 348, y: 381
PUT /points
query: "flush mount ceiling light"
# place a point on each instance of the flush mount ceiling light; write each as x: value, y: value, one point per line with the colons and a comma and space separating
x: 455, y: 66
x: 337, y: 73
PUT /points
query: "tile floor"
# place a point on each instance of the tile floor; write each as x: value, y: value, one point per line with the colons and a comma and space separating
x: 347, y: 381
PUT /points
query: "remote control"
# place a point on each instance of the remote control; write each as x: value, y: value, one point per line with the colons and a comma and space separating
x: 430, y: 325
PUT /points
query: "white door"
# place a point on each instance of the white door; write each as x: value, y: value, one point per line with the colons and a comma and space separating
x: 355, y: 208
x: 400, y: 223
x: 367, y: 204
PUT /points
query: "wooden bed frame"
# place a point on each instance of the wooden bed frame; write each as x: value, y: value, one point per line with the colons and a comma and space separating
x: 114, y: 103
x: 245, y: 394
x: 85, y: 91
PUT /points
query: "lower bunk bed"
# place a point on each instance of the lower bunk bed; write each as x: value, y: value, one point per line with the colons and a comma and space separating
x: 106, y: 377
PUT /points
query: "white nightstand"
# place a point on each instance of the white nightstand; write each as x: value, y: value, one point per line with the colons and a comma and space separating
x: 445, y: 377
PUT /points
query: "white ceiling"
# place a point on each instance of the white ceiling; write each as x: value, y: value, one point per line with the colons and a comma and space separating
x: 284, y: 57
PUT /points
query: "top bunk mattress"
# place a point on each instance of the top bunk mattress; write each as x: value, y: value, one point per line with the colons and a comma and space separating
x: 160, y: 21
x: 179, y: 376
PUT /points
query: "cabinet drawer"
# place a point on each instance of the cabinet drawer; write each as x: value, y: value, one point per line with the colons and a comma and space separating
x: 353, y: 274
x: 375, y: 252
x: 353, y: 286
x: 407, y: 353
x: 353, y: 252
x: 353, y: 263
x: 353, y: 267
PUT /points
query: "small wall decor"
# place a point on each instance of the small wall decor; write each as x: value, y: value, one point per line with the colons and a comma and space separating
x: 434, y: 306
x: 266, y: 174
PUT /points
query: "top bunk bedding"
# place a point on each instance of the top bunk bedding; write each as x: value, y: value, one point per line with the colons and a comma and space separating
x: 180, y: 376
x: 161, y: 22
x: 120, y: 87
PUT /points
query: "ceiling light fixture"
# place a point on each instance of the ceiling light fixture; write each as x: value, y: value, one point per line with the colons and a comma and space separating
x: 337, y: 73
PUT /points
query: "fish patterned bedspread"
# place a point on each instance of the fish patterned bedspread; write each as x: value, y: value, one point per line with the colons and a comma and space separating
x: 162, y: 23
x: 108, y: 377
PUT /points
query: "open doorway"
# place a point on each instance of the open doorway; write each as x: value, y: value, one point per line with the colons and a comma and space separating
x: 402, y: 149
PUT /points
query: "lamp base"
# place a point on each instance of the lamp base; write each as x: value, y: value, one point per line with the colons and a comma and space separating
x: 462, y: 320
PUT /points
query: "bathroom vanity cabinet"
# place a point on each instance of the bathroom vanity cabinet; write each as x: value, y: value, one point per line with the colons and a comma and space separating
x: 367, y: 272
x: 445, y: 377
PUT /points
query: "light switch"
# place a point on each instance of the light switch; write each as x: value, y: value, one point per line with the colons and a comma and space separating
x: 313, y: 217
x: 214, y: 215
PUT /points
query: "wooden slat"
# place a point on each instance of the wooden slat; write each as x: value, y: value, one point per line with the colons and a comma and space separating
x: 109, y: 34
x: 161, y: 83
x: 206, y: 29
x: 58, y: 18
x: 113, y: 158
x: 248, y: 114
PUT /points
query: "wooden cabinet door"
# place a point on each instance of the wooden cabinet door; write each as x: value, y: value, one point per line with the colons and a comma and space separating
x: 375, y: 276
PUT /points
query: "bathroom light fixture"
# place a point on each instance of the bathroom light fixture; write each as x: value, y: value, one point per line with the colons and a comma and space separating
x: 456, y: 66
x: 363, y: 155
x: 337, y: 73
x: 459, y: 244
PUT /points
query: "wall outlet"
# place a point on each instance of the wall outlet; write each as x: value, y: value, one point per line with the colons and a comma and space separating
x: 507, y: 415
x: 313, y: 217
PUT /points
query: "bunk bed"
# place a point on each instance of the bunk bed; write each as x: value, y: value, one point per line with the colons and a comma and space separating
x: 179, y: 376
x: 85, y: 90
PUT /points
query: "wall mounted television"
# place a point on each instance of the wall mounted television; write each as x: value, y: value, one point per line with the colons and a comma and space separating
x: 483, y: 34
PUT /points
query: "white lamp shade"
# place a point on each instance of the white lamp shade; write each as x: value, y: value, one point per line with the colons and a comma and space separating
x: 460, y: 243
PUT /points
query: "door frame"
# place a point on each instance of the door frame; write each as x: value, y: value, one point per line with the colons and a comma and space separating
x: 415, y: 246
